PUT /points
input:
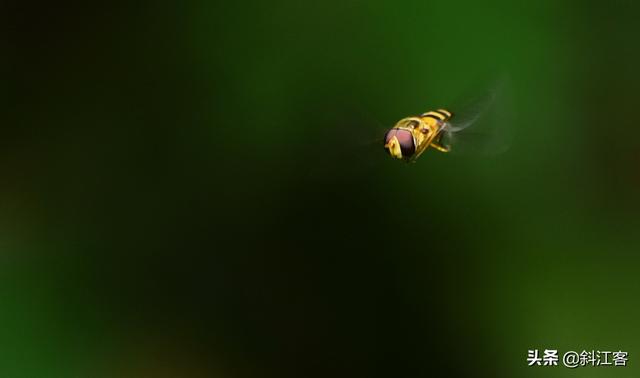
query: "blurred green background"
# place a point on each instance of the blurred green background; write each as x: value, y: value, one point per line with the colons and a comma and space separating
x: 188, y: 190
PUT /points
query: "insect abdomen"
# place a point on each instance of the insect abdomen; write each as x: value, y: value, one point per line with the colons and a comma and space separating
x: 440, y: 114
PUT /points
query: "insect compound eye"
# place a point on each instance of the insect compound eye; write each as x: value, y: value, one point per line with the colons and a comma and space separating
x: 405, y: 139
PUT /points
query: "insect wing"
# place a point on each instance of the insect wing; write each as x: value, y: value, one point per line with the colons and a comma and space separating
x: 482, y: 125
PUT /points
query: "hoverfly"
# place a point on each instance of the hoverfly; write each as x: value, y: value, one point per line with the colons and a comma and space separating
x: 441, y: 129
x: 411, y: 136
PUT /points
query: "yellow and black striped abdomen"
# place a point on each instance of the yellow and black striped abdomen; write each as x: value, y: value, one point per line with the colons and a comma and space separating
x: 439, y: 115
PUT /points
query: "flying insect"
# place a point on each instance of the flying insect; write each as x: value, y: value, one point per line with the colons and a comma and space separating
x: 441, y: 129
x: 411, y: 136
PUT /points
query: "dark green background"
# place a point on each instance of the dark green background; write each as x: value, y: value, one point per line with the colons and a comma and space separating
x: 188, y: 190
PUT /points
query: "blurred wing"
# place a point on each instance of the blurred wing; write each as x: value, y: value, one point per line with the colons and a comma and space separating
x: 482, y: 125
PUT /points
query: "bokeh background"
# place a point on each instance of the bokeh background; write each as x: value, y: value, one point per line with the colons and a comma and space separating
x: 188, y: 190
